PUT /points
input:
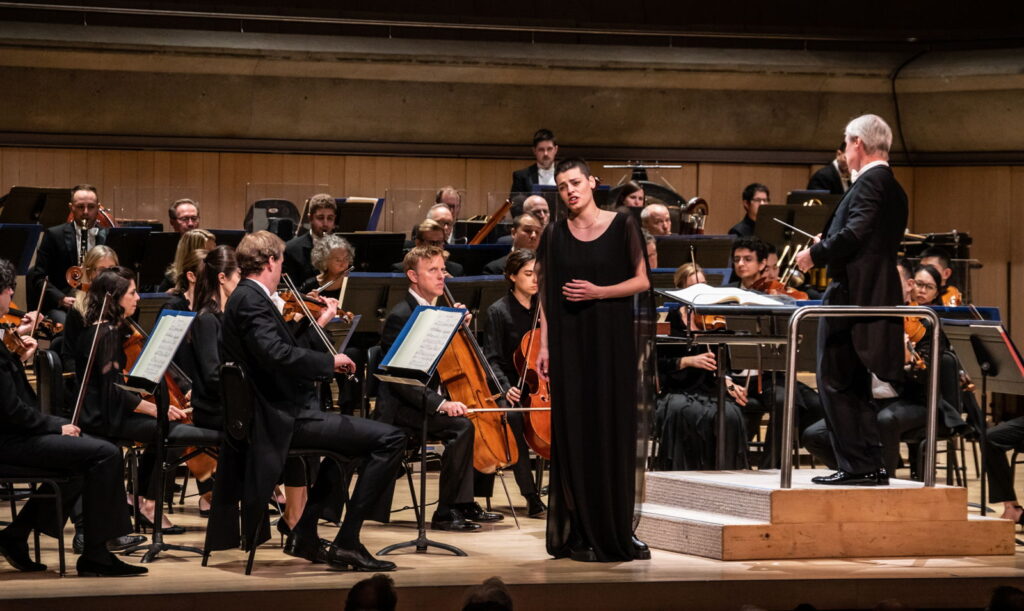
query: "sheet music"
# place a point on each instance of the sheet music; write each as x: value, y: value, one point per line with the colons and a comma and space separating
x: 163, y: 342
x: 702, y: 294
x: 426, y: 340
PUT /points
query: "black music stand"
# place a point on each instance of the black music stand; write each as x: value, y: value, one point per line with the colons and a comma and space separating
x: 419, y: 377
x: 130, y: 245
x: 376, y: 251
x: 809, y: 198
x: 229, y: 237
x: 987, y: 352
x: 811, y: 219
x: 368, y: 295
x: 45, y: 206
x: 159, y: 253
x: 709, y: 251
x: 354, y: 216
x: 18, y: 244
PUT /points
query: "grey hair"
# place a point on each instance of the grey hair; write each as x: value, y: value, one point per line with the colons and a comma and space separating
x: 874, y: 134
x: 647, y: 210
x: 323, y: 247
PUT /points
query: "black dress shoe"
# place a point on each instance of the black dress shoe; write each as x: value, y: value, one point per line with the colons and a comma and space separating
x: 170, y: 530
x: 584, y: 553
x: 842, y: 478
x: 359, y: 559
x: 640, y: 550
x: 314, y: 550
x: 452, y: 520
x: 112, y: 567
x: 16, y: 553
x: 476, y: 513
x: 534, y: 506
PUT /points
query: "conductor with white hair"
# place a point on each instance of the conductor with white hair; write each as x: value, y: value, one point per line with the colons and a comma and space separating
x: 859, y: 247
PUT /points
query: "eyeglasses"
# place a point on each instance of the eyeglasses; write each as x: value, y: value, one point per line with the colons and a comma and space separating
x: 188, y: 219
x: 760, y: 200
x: 924, y: 285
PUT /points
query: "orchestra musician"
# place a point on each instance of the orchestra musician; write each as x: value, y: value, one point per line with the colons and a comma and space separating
x: 538, y: 207
x: 656, y: 219
x: 443, y: 216
x: 111, y: 411
x: 749, y: 260
x: 430, y: 233
x: 403, y: 405
x: 508, y: 320
x: 754, y: 196
x: 525, y: 235
x: 62, y: 247
x: 323, y: 213
x: 282, y: 371
x: 631, y: 195
x: 859, y: 247
x: 592, y: 268
x: 687, y: 411
x: 450, y: 196
x: 939, y: 259
x: 175, y: 280
x: 96, y: 260
x: 545, y: 150
x: 31, y: 439
x: 834, y: 177
x: 183, y: 215
x: 927, y: 282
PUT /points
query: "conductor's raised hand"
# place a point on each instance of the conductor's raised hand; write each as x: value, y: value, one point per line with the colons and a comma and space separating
x: 343, y: 364
x: 581, y: 290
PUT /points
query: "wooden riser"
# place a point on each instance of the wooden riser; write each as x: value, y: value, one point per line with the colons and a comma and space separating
x: 756, y: 495
x: 732, y: 539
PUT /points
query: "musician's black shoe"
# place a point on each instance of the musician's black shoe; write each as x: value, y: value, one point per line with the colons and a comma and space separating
x: 476, y: 513
x: 583, y: 553
x: 16, y: 553
x: 842, y: 478
x: 111, y: 566
x: 359, y: 559
x: 314, y: 550
x: 114, y: 545
x: 174, y: 529
x: 452, y: 520
x: 640, y: 550
x: 534, y: 506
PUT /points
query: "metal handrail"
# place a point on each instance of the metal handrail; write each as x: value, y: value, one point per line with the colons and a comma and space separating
x: 859, y: 312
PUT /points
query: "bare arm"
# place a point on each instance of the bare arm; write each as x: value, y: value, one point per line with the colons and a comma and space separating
x: 583, y: 290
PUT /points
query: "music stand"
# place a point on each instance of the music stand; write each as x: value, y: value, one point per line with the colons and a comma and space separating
x: 811, y: 219
x: 709, y: 250
x: 987, y: 352
x: 18, y: 244
x: 130, y: 245
x: 376, y: 251
x: 160, y: 249
x: 354, y: 214
x: 228, y: 237
x: 368, y: 294
x: 473, y: 257
x: 442, y: 323
x: 45, y: 206
x: 813, y: 196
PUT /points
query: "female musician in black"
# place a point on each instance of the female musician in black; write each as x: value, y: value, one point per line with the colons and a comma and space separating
x: 685, y: 419
x: 333, y: 256
x: 595, y: 322
x: 109, y: 410
x: 927, y: 281
x: 508, y: 320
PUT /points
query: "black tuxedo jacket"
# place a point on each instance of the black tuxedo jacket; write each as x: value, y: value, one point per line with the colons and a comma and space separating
x: 298, y: 263
x: 827, y: 178
x: 524, y: 179
x: 56, y: 254
x: 496, y: 267
x: 282, y: 371
x: 19, y: 414
x: 392, y: 398
x: 859, y: 246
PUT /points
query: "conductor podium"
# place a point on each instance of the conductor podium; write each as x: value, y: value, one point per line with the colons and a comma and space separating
x: 746, y: 515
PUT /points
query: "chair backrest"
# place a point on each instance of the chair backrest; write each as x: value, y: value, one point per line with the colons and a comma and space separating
x: 373, y: 358
x: 237, y: 398
x: 49, y: 382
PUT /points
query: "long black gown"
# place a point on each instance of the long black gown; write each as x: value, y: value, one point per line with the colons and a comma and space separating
x: 596, y: 386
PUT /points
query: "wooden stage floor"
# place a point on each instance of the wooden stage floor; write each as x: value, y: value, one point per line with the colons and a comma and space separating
x: 438, y: 580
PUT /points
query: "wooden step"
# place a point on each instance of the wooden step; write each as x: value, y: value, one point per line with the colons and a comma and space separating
x: 757, y: 495
x: 726, y: 537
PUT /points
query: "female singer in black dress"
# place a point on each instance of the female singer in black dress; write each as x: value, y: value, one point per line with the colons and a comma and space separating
x: 592, y: 267
x: 508, y: 320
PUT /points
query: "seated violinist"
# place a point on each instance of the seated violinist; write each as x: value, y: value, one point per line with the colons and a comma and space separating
x: 332, y: 256
x: 939, y: 259
x: 687, y: 408
x: 29, y: 438
x: 927, y: 282
x: 109, y: 410
x: 403, y: 405
x: 430, y: 233
x: 96, y: 260
x: 508, y: 320
x: 749, y: 259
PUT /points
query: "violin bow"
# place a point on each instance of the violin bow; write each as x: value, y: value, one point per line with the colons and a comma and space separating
x: 89, y: 363
x: 39, y: 308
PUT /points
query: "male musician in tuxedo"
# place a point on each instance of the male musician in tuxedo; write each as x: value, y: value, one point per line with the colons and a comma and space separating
x: 538, y: 207
x: 65, y: 246
x: 298, y: 263
x: 859, y: 247
x: 183, y: 215
x: 404, y: 405
x: 834, y: 177
x: 542, y: 172
x: 526, y: 231
x: 450, y: 196
x: 28, y: 438
x: 430, y: 233
x: 754, y: 195
x: 282, y: 369
x: 443, y: 216
x: 656, y: 219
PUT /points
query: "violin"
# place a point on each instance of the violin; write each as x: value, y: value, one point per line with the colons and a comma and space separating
x: 775, y: 287
x: 13, y: 341
x: 952, y: 297
x: 536, y: 424
x: 292, y: 308
x: 75, y: 277
x: 705, y: 322
x: 14, y: 316
x: 468, y: 376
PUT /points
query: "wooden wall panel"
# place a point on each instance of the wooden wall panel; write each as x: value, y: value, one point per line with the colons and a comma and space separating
x: 722, y: 186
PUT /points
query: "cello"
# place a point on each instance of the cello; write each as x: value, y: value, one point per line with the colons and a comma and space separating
x: 468, y: 376
x: 536, y: 424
